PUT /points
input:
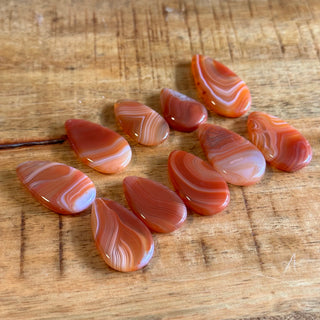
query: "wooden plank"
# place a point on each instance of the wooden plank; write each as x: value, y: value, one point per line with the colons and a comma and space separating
x: 259, y: 259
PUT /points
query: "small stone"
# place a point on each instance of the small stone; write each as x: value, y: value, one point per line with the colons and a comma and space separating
x: 181, y: 112
x: 220, y: 88
x: 58, y: 187
x: 202, y: 189
x: 98, y: 147
x: 141, y: 123
x: 283, y: 146
x: 234, y: 157
x: 123, y: 240
x: 155, y: 204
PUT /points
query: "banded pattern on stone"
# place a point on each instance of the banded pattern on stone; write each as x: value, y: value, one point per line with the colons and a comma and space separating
x: 234, y: 157
x: 58, y: 187
x: 123, y: 241
x: 98, y: 147
x: 181, y: 112
x: 202, y: 189
x: 141, y: 123
x: 155, y: 204
x: 220, y: 88
x: 283, y: 146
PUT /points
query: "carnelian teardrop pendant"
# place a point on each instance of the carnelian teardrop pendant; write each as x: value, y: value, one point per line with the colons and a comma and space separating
x: 98, y: 147
x: 58, y: 187
x: 202, y: 189
x: 283, y: 146
x: 234, y: 157
x: 141, y: 123
x: 123, y: 240
x: 220, y: 88
x: 155, y: 204
x: 181, y: 112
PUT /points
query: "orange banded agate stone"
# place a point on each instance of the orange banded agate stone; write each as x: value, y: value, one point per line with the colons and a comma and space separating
x: 283, y: 146
x: 143, y: 124
x: 181, y: 112
x: 58, y: 187
x: 155, y: 204
x: 122, y: 239
x: 234, y: 157
x: 98, y: 147
x: 220, y: 88
x: 202, y: 189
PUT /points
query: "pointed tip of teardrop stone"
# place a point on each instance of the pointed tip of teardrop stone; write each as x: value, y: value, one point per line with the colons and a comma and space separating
x: 98, y: 147
x: 141, y: 123
x: 58, y: 187
x: 201, y: 188
x: 220, y: 88
x: 234, y: 157
x: 155, y: 204
x: 283, y: 146
x: 181, y: 112
x: 123, y: 241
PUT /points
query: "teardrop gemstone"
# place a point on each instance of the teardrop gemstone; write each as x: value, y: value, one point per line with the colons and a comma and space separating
x: 141, y: 123
x: 220, y: 88
x: 156, y: 205
x: 233, y: 156
x: 98, y: 147
x: 181, y: 112
x: 283, y: 146
x: 123, y: 241
x: 202, y: 189
x: 58, y: 187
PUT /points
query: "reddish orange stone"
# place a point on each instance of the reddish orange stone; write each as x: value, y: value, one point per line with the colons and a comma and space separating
x: 234, y: 157
x: 202, y: 189
x: 123, y: 240
x: 156, y: 205
x: 141, y: 123
x: 220, y: 88
x: 181, y: 112
x: 58, y: 187
x: 98, y: 147
x: 283, y: 146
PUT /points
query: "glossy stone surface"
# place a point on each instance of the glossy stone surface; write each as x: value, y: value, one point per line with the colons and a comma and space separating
x: 181, y: 112
x: 58, y: 187
x: 233, y: 156
x: 202, y: 189
x: 220, y: 88
x: 141, y: 123
x: 123, y: 241
x: 98, y: 147
x: 283, y: 146
x: 156, y: 205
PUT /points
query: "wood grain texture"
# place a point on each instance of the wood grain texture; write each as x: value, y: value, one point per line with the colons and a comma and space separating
x: 259, y: 259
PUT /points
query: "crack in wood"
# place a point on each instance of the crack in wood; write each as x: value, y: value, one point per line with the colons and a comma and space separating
x: 186, y: 21
x: 253, y: 234
x: 136, y: 37
x: 316, y: 48
x: 94, y: 23
x: 61, y: 266
x: 250, y: 8
x: 22, y: 242
x: 199, y: 26
x: 281, y: 46
x: 119, y: 46
x: 205, y: 254
x: 234, y: 29
x: 167, y: 38
x: 151, y: 40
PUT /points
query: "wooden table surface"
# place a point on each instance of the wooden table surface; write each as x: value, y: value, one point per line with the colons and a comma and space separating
x: 260, y: 258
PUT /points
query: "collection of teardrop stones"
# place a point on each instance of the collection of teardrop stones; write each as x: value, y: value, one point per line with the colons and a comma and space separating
x: 123, y: 237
